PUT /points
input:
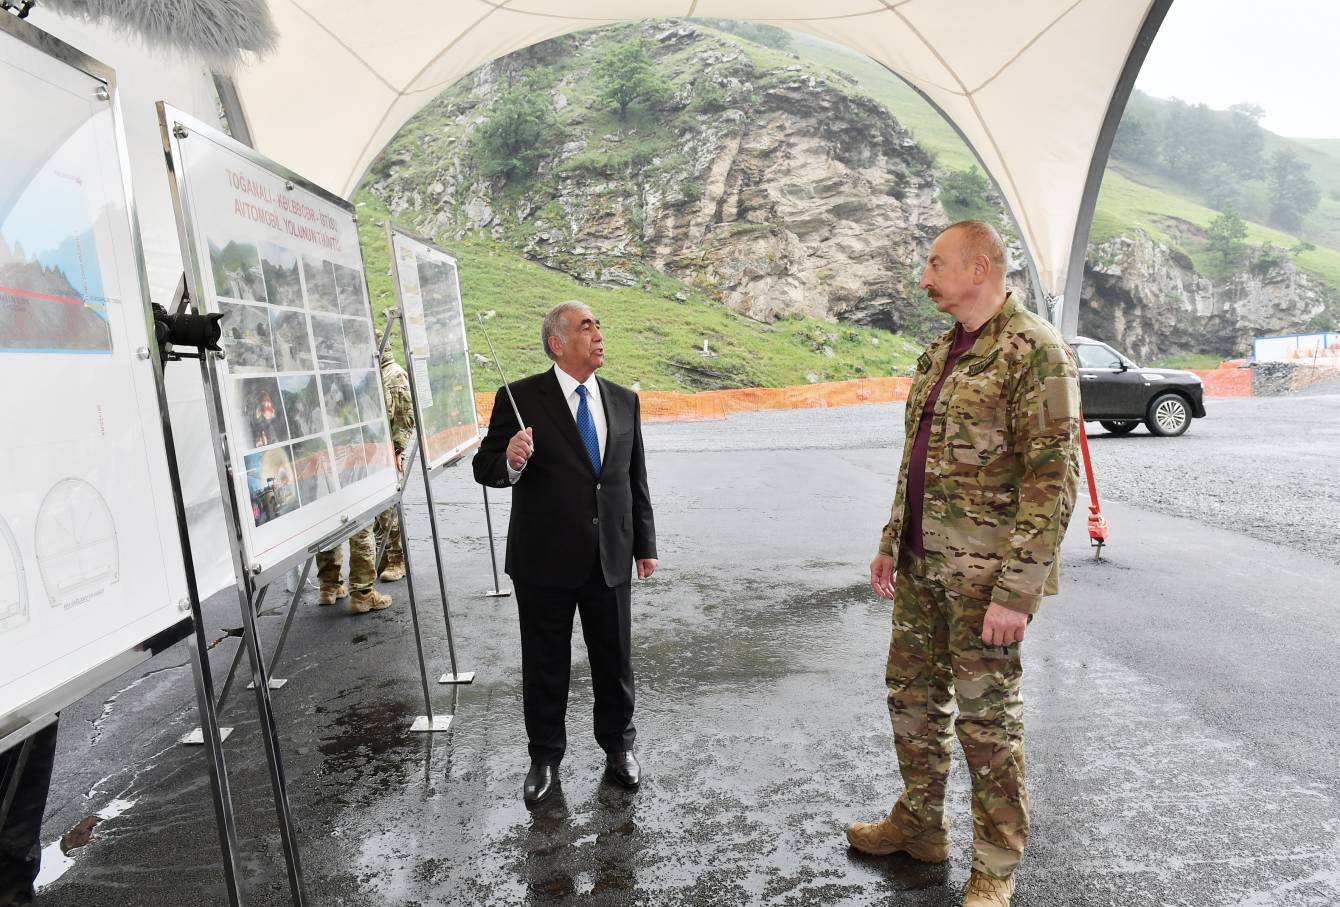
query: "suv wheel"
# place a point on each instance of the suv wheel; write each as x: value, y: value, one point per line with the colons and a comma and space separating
x: 1120, y: 428
x: 1169, y: 415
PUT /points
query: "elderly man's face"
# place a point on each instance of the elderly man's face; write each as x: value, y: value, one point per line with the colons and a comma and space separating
x: 949, y: 280
x: 581, y: 349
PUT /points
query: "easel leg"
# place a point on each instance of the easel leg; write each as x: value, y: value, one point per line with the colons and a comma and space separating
x: 427, y: 721
x: 497, y: 591
x: 211, y: 737
x: 456, y: 676
x: 197, y: 735
x: 274, y: 758
x: 276, y: 682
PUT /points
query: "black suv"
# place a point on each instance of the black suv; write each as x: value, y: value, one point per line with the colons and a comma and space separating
x: 1119, y: 395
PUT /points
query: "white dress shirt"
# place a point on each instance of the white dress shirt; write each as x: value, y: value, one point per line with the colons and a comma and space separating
x: 569, y: 385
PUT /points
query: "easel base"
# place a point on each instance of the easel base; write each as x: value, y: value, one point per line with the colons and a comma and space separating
x: 463, y: 677
x: 426, y: 724
x: 197, y: 737
x: 275, y: 683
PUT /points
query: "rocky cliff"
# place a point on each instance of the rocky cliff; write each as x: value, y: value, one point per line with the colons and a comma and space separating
x: 775, y: 186
x: 1148, y: 299
x: 779, y: 188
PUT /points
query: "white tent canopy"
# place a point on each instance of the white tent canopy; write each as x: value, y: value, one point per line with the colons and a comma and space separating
x: 1030, y: 84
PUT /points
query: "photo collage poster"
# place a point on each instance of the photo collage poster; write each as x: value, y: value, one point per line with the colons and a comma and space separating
x: 90, y: 558
x: 300, y: 379
x: 430, y: 296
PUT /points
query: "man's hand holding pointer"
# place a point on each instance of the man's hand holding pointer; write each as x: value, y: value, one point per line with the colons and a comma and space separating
x: 520, y: 448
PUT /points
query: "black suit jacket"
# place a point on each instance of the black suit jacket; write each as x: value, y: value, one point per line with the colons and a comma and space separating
x: 562, y: 514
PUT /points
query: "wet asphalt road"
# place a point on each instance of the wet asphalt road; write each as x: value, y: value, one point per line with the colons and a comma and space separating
x: 1183, y: 743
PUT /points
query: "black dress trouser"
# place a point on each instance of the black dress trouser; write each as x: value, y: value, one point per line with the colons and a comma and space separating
x: 21, y: 836
x: 546, y: 662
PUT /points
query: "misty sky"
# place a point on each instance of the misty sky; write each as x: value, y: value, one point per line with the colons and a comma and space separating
x: 1283, y: 55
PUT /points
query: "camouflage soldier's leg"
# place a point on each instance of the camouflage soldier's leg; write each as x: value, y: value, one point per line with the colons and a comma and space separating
x: 362, y: 554
x: 387, y: 523
x: 328, y: 567
x: 920, y: 706
x: 991, y: 731
x: 393, y: 561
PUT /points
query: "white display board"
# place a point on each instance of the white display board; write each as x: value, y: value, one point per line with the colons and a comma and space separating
x: 429, y: 289
x: 301, y: 391
x: 90, y: 551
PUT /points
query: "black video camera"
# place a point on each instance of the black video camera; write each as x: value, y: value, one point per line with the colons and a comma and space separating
x: 201, y: 332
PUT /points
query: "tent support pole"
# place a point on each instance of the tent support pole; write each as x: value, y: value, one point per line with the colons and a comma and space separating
x: 1066, y: 314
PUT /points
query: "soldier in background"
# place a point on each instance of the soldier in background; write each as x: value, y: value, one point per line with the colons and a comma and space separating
x: 400, y: 412
x: 986, y: 488
x: 362, y: 574
x: 363, y: 545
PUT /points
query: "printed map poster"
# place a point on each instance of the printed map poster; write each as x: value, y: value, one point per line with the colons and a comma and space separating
x: 90, y: 558
x: 430, y: 295
x: 300, y: 382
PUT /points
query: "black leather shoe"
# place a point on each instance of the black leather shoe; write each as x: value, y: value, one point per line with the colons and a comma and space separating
x: 623, y: 768
x: 541, y: 782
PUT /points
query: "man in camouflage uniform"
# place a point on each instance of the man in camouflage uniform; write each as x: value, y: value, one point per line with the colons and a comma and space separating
x: 362, y: 574
x: 985, y: 492
x: 363, y: 545
x: 400, y: 411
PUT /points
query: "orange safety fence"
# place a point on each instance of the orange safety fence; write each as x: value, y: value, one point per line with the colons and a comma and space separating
x: 668, y: 406
x: 1226, y: 382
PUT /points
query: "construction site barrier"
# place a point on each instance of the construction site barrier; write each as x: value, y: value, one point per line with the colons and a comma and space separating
x: 1226, y: 382
x: 668, y: 406
x: 707, y: 406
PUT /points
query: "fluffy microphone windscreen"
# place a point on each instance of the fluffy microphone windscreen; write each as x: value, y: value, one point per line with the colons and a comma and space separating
x: 218, y: 30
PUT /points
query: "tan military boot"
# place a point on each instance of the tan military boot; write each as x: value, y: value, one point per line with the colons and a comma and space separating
x: 983, y: 890
x: 394, y: 571
x: 329, y: 595
x: 881, y: 838
x: 369, y: 600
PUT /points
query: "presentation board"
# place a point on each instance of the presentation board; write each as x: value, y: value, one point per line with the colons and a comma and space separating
x: 429, y: 289
x: 91, y: 563
x: 300, y: 384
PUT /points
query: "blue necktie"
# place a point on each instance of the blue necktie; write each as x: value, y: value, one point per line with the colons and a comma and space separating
x: 586, y: 427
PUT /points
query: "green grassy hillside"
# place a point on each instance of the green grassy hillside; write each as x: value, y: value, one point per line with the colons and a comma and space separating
x: 650, y: 336
x: 1129, y: 199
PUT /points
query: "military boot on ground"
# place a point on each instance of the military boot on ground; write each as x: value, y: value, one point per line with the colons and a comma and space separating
x: 882, y: 838
x: 329, y: 595
x: 983, y: 890
x: 369, y: 600
x: 393, y: 571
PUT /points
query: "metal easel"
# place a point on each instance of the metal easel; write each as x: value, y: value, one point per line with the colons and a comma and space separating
x: 397, y: 316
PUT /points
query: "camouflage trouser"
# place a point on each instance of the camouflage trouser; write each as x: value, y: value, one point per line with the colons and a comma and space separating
x: 362, y: 570
x: 387, y: 522
x: 936, y: 655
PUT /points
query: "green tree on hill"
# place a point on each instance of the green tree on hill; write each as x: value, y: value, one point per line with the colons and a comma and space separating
x: 1222, y: 186
x: 1292, y: 192
x: 516, y: 138
x: 1244, y: 142
x: 1226, y: 234
x: 1135, y: 140
x: 627, y: 74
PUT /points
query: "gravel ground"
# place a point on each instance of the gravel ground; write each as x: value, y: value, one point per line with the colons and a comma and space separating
x: 1262, y: 466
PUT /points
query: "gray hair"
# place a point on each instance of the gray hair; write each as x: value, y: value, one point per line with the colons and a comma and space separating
x: 982, y: 239
x: 555, y: 325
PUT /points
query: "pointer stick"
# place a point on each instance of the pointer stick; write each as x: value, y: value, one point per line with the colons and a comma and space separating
x: 498, y: 365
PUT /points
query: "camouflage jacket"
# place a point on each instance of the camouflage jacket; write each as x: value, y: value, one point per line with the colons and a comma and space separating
x: 1002, y: 466
x: 399, y: 407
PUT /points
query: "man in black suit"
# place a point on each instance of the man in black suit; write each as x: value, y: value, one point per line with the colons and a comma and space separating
x: 581, y: 519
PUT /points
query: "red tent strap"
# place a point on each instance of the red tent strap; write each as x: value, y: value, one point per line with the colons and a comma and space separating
x: 1097, y: 522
